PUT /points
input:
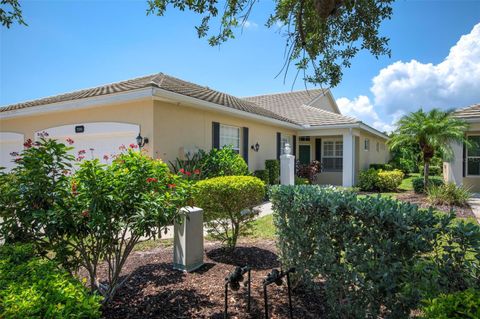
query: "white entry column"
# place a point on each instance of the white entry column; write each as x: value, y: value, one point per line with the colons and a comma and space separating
x: 348, y: 159
x: 453, y: 172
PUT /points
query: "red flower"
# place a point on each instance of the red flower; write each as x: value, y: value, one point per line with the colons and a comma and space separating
x: 133, y: 145
x: 152, y: 180
x: 105, y: 157
x: 171, y: 185
x: 182, y: 171
x: 85, y: 213
x: 28, y: 143
x: 81, y: 152
x: 18, y: 159
x: 81, y: 157
x: 196, y: 172
x: 188, y: 173
x: 69, y: 141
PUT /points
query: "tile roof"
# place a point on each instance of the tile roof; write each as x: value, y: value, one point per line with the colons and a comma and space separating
x: 292, y: 107
x: 161, y: 81
x: 299, y: 107
x: 468, y: 112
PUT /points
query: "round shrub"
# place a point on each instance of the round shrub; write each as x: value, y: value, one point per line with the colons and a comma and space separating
x: 263, y: 175
x: 388, y: 181
x: 223, y: 162
x: 367, y: 180
x: 464, y: 304
x: 418, y: 186
x: 228, y: 204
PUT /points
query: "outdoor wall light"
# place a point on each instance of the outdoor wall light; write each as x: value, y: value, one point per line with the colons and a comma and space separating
x: 141, y: 141
x: 255, y: 147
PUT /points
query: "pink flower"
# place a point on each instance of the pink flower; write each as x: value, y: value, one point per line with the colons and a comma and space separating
x: 182, y: 171
x: 81, y: 152
x: 188, y: 173
x: 122, y: 147
x: 69, y: 141
x: 133, y: 145
x: 81, y: 157
x: 18, y: 159
x: 105, y: 157
x: 196, y: 172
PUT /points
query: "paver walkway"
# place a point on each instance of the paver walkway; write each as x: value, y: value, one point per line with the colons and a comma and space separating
x: 474, y: 203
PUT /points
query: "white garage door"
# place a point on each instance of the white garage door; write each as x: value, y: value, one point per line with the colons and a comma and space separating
x: 97, y: 139
x: 9, y: 143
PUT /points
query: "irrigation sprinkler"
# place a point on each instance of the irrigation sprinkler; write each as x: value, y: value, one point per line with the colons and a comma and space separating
x: 276, y: 276
x: 233, y: 281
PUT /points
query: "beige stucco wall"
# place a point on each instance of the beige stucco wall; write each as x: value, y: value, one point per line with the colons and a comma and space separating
x: 169, y: 127
x: 371, y: 156
x: 138, y: 112
x: 180, y: 127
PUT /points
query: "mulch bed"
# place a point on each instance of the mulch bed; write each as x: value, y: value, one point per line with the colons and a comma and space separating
x: 155, y: 290
x: 421, y: 201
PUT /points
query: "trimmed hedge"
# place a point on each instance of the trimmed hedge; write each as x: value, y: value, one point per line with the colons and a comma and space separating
x: 418, y: 187
x: 385, y: 167
x: 379, y: 180
x: 228, y: 203
x: 273, y: 169
x: 376, y: 257
x: 263, y: 175
x: 32, y: 287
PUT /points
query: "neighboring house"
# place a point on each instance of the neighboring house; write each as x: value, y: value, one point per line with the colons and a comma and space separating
x: 180, y: 117
x: 464, y: 168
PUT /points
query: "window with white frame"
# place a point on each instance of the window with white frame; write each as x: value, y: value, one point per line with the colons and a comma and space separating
x: 286, y: 139
x: 230, y: 136
x: 366, y: 146
x: 332, y: 156
x: 473, y: 155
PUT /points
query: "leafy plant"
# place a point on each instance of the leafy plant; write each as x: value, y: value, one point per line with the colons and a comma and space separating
x: 273, y: 169
x: 448, y: 194
x: 388, y: 181
x: 309, y: 171
x: 223, y: 162
x: 375, y: 256
x: 462, y: 304
x: 228, y: 203
x: 432, y: 133
x: 263, y: 175
x: 301, y: 181
x: 32, y: 287
x: 419, y: 187
x: 191, y: 166
x: 368, y: 180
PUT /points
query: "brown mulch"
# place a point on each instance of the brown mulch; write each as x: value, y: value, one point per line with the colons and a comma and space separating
x: 155, y: 290
x: 422, y: 201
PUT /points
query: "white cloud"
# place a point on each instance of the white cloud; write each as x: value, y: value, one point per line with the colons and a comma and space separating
x: 250, y: 25
x: 403, y: 87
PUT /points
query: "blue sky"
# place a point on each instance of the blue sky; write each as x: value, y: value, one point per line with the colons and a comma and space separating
x: 70, y: 45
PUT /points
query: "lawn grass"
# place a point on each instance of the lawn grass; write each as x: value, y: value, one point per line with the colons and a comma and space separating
x: 263, y: 228
x: 153, y: 243
x: 406, y: 184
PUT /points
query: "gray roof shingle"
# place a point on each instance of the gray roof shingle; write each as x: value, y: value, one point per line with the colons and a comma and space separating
x: 298, y: 106
x: 161, y: 81
x: 472, y: 111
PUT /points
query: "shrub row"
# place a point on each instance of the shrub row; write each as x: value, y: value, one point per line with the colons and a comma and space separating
x: 375, y: 256
x: 380, y: 180
x: 35, y: 288
x: 418, y: 183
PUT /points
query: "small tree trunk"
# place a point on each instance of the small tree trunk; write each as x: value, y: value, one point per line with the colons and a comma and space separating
x: 426, y: 170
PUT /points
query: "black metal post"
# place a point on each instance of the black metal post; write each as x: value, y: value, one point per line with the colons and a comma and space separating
x: 265, y: 299
x: 226, y: 301
x: 289, y: 295
x: 249, y: 289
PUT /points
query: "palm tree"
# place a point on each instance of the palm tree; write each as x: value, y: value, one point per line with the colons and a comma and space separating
x: 432, y: 132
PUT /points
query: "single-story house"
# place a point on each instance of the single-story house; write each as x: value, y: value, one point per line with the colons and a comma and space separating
x: 464, y: 168
x: 179, y: 117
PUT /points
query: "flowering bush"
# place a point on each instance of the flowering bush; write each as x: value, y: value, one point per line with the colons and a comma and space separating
x: 97, y: 213
x: 380, y: 180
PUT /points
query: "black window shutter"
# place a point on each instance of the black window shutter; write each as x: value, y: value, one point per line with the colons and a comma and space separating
x: 245, y: 144
x: 294, y: 146
x: 215, y: 135
x: 279, y: 144
x: 318, y: 149
x: 464, y: 159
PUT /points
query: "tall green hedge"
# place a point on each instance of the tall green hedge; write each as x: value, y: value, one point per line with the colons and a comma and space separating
x: 273, y: 168
x: 374, y: 256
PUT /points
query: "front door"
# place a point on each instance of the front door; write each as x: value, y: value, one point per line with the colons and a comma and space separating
x: 304, y: 154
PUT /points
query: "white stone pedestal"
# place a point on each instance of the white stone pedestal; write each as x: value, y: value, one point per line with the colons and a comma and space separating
x: 287, y: 167
x: 188, y: 240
